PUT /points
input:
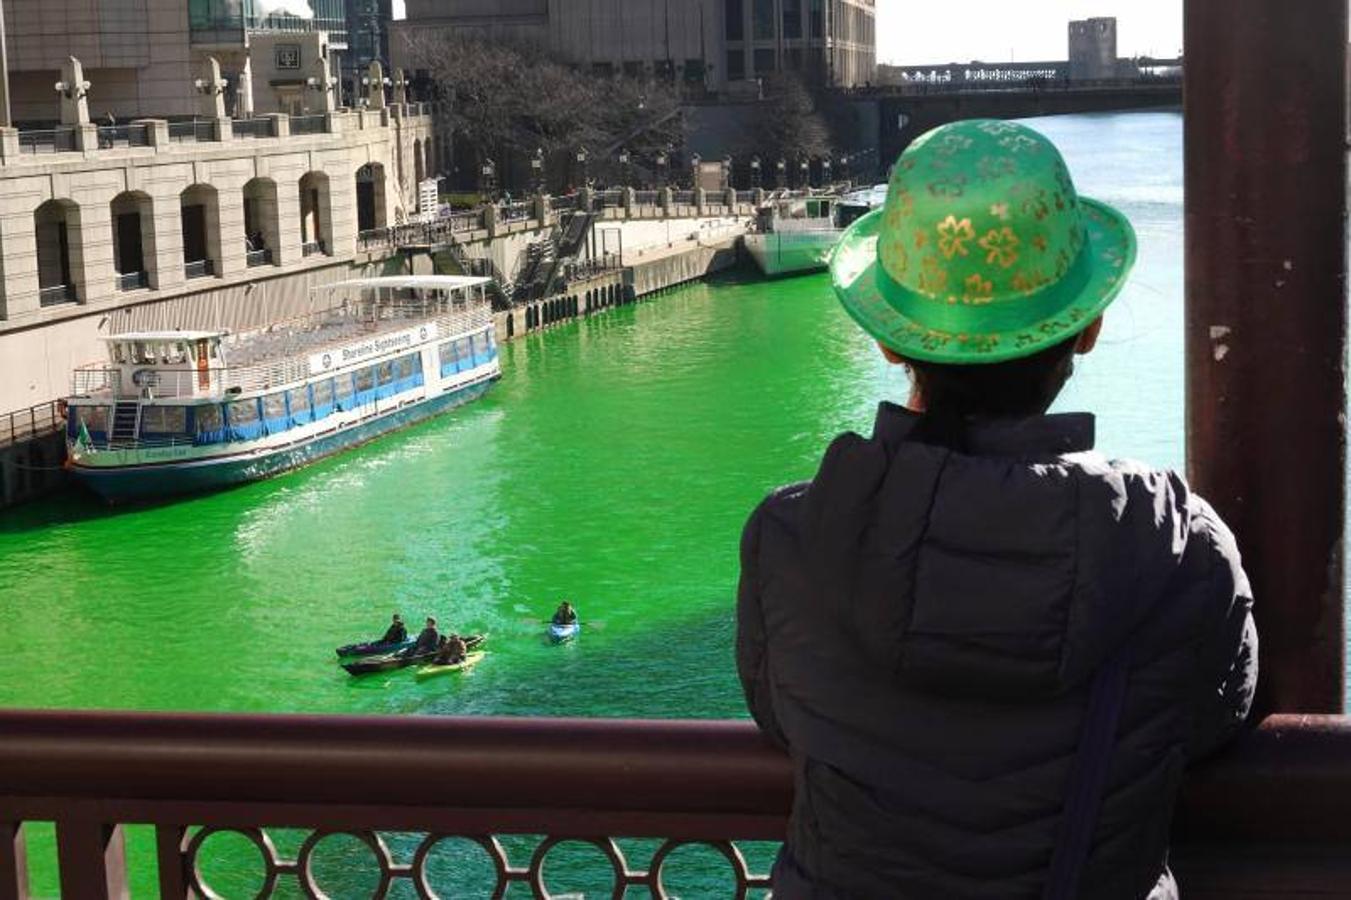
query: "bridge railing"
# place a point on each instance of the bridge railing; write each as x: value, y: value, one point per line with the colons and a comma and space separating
x: 1266, y: 819
x: 35, y: 421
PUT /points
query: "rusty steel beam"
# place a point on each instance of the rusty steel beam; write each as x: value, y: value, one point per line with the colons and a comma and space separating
x: 1266, y: 126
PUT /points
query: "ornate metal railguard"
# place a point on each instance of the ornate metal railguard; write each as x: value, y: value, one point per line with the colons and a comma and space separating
x: 1267, y: 819
x: 192, y: 776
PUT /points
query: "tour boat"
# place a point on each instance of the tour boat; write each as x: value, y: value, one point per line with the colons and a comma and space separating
x: 797, y: 234
x: 173, y: 412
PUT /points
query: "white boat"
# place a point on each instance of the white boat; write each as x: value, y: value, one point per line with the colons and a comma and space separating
x: 174, y: 412
x: 796, y: 235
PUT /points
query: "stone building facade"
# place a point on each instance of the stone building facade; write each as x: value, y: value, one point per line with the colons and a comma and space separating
x: 156, y: 226
x: 710, y: 46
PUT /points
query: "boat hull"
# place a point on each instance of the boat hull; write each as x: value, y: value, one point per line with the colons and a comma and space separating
x: 132, y: 483
x: 791, y: 252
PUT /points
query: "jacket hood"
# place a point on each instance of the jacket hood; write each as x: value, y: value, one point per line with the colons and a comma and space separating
x: 1012, y: 570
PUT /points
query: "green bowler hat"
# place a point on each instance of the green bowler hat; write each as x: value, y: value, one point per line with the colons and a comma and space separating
x: 983, y: 251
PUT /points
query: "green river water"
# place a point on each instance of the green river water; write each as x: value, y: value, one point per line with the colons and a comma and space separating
x: 614, y: 463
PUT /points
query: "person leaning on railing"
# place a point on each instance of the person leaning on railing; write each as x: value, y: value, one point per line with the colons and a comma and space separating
x: 989, y: 650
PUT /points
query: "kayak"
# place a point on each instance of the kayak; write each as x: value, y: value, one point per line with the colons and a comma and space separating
x: 392, y: 661
x: 463, y: 665
x: 560, y: 633
x: 374, y: 648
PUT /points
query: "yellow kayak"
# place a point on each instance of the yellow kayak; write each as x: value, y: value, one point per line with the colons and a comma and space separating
x: 463, y: 665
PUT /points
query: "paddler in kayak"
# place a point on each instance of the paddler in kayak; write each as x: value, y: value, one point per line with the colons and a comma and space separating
x: 453, y: 650
x: 427, y: 641
x: 396, y: 633
x: 565, y: 615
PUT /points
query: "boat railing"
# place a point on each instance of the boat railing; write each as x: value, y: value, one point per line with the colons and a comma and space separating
x: 289, y: 363
x: 1267, y: 818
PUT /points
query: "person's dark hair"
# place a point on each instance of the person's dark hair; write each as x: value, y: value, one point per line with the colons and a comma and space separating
x: 955, y: 393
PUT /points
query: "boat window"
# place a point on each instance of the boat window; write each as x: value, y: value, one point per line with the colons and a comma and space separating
x: 243, y: 412
x: 177, y: 354
x: 141, y: 354
x: 342, y: 387
x: 405, y: 367
x: 299, y: 399
x: 365, y: 379
x: 492, y: 340
x: 164, y: 419
x: 209, y: 419
x: 323, y: 393
x: 447, y: 353
x: 274, y: 406
x: 119, y: 356
x: 386, y: 372
x: 94, y: 418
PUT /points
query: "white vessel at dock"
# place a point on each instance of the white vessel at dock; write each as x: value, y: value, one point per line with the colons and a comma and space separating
x: 181, y: 411
x: 796, y: 235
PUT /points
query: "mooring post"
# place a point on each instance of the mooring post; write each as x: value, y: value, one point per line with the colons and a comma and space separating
x: 1266, y: 128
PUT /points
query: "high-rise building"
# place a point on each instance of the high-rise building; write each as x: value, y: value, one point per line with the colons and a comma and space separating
x: 142, y: 58
x: 1093, y: 49
x: 709, y: 45
x: 367, y: 37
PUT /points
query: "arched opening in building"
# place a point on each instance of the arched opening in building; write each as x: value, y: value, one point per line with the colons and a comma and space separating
x: 262, y: 228
x: 133, y: 240
x: 316, y: 214
x: 56, y: 226
x: 199, y: 210
x: 511, y: 325
x: 419, y: 170
x: 370, y: 197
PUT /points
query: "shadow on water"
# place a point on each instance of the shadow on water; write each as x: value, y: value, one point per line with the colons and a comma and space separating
x: 74, y: 504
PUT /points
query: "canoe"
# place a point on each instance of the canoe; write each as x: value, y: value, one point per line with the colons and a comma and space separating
x: 392, y: 661
x: 560, y: 633
x: 463, y: 665
x: 374, y: 648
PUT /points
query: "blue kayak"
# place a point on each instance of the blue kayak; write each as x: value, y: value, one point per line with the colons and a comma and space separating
x: 374, y: 648
x: 560, y: 633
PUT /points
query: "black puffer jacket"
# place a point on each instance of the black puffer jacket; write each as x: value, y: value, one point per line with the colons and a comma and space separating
x: 919, y: 629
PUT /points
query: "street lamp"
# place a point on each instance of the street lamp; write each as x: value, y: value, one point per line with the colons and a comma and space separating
x: 804, y: 168
x: 537, y: 170
x: 755, y: 173
x: 844, y: 167
x: 781, y: 173
x: 695, y: 160
x: 825, y: 171
x: 625, y: 172
x: 663, y: 160
x: 72, y: 90
x: 487, y: 179
x: 213, y: 88
x: 581, y: 167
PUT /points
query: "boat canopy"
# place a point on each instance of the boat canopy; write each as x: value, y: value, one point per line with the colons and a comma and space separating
x: 163, y: 336
x: 408, y: 282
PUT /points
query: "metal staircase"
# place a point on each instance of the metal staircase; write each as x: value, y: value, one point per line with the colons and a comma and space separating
x: 126, y: 423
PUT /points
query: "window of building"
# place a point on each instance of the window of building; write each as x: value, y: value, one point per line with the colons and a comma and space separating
x: 816, y: 17
x: 764, y: 61
x: 732, y: 9
x: 694, y: 70
x: 633, y: 69
x: 763, y: 20
x: 736, y: 65
x: 792, y: 19
x: 664, y: 69
x: 603, y: 69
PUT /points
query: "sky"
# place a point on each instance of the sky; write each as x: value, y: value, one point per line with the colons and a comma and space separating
x: 913, y: 32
